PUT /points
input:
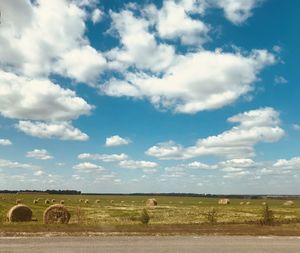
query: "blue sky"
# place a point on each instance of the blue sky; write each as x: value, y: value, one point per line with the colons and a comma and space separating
x: 150, y: 96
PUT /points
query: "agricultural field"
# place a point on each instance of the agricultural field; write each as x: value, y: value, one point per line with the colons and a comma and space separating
x: 104, y: 210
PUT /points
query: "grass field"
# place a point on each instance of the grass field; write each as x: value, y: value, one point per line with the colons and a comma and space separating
x: 125, y: 211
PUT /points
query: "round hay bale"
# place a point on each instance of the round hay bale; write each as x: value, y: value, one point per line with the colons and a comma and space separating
x: 288, y: 203
x: 81, y: 200
x: 35, y: 201
x: 242, y: 203
x: 263, y: 203
x: 18, y: 201
x: 111, y: 201
x: 97, y: 201
x: 248, y: 203
x: 19, y: 213
x: 224, y: 202
x: 56, y: 214
x: 200, y: 202
x: 151, y: 202
x: 47, y: 201
x: 86, y: 201
x: 62, y: 202
x: 53, y: 200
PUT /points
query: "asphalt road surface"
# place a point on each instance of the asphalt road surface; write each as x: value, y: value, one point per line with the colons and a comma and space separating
x: 145, y: 244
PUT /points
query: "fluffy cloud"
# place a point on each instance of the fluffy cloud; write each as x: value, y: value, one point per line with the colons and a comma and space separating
x: 52, y: 32
x: 82, y: 64
x: 5, y: 142
x: 60, y: 130
x: 292, y: 164
x: 103, y: 157
x: 198, y: 81
x: 132, y: 164
x: 139, y: 46
x: 38, y: 99
x: 116, y: 140
x: 280, y: 80
x: 174, y: 22
x: 198, y: 165
x: 237, y: 11
x: 88, y: 167
x: 96, y: 16
x: 40, y: 154
x: 261, y: 125
x: 296, y: 127
x: 6, y: 164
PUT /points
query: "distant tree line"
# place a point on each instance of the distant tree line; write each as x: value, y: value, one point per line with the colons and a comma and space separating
x: 62, y: 192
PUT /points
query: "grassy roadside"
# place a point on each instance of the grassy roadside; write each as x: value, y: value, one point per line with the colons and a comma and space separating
x: 184, y: 229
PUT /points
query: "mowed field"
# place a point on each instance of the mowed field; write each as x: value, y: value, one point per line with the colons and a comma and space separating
x: 125, y: 211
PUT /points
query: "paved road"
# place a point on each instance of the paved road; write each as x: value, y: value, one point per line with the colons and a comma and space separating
x: 156, y: 244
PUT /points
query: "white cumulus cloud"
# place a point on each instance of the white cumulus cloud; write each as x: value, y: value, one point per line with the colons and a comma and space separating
x: 116, y: 140
x: 59, y: 130
x: 198, y: 81
x: 132, y: 164
x: 103, y: 157
x: 5, y: 142
x: 255, y: 126
x: 40, y: 154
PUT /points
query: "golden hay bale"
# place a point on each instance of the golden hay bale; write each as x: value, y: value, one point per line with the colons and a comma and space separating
x: 53, y: 200
x: 18, y: 201
x: 47, y: 201
x: 111, y: 201
x: 200, y: 202
x: 62, y: 202
x: 151, y: 202
x: 81, y: 200
x: 19, y: 213
x: 35, y: 201
x: 56, y: 214
x: 248, y: 203
x: 97, y: 201
x: 288, y: 203
x: 86, y: 201
x: 263, y: 203
x: 224, y: 201
x: 242, y: 203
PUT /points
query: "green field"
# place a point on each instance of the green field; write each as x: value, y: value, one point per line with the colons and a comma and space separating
x: 125, y: 211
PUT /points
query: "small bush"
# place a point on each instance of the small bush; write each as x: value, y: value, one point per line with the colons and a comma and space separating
x: 212, y: 216
x: 145, y: 218
x: 267, y: 216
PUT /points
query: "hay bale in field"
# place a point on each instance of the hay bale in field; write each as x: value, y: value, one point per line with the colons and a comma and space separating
x: 248, y: 203
x: 112, y: 202
x: 18, y: 201
x: 263, y: 203
x: 56, y: 214
x: 151, y: 202
x: 53, y: 200
x: 86, y: 201
x: 80, y: 200
x: 288, y: 203
x: 224, y: 201
x: 242, y: 203
x: 200, y: 202
x: 19, y: 213
x: 62, y: 202
x: 97, y: 201
x: 47, y: 201
x: 35, y: 201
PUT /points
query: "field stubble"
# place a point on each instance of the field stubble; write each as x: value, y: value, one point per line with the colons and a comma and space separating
x: 126, y: 211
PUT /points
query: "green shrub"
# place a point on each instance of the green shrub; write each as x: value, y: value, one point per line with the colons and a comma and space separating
x: 267, y: 216
x: 145, y: 217
x: 212, y: 216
